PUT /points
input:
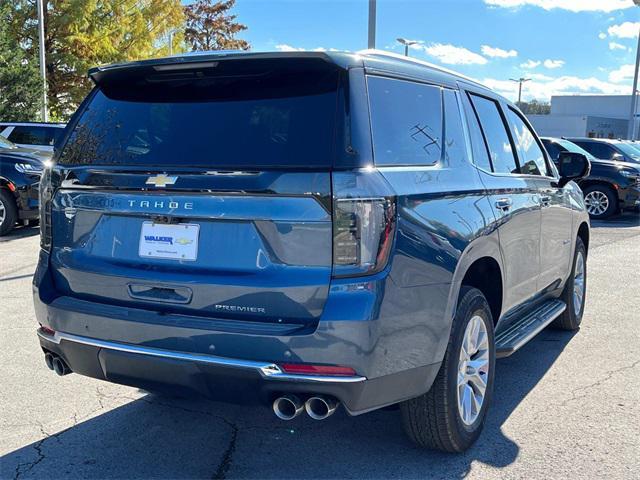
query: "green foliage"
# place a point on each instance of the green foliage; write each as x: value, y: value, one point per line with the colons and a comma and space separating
x: 20, y: 85
x: 535, y: 107
x: 80, y: 34
x: 210, y: 27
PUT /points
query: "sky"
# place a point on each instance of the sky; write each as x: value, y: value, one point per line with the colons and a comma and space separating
x: 563, y: 46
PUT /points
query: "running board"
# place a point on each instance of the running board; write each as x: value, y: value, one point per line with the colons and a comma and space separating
x: 518, y: 334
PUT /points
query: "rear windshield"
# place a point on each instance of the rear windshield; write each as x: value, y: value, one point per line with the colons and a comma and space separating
x: 212, y: 118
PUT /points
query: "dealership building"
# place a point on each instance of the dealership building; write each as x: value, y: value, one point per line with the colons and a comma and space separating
x: 599, y: 116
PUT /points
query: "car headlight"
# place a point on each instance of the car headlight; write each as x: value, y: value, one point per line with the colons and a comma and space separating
x: 630, y: 173
x: 27, y: 168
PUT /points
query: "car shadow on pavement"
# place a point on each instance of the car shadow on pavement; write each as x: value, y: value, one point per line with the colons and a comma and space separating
x: 624, y: 220
x: 158, y: 437
x: 21, y: 232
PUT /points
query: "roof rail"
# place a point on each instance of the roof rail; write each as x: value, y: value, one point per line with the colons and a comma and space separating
x: 384, y: 53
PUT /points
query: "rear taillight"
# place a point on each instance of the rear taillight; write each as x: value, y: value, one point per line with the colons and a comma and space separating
x: 364, y: 221
x: 46, y: 194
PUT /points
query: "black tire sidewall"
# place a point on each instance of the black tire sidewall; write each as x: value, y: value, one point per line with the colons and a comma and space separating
x: 473, y: 303
x: 11, y: 211
x: 573, y: 320
x: 613, y: 200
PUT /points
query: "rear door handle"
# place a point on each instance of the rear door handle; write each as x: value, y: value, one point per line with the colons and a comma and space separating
x: 504, y: 204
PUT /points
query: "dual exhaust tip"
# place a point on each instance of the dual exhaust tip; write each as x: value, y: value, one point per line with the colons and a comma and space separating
x: 318, y: 407
x: 56, y: 364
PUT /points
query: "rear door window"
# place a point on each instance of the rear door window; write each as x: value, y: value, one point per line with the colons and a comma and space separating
x: 530, y: 154
x: 502, y: 158
x: 598, y: 150
x: 267, y: 118
x: 406, y: 122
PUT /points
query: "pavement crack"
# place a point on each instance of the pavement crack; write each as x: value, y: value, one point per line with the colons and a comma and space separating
x: 24, y: 467
x: 227, y: 458
x: 597, y: 383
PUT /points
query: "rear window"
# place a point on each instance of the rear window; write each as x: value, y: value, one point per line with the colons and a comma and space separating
x: 210, y: 118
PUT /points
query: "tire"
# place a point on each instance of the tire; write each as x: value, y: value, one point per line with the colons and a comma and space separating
x: 601, y: 201
x: 8, y: 212
x: 572, y: 316
x: 434, y: 420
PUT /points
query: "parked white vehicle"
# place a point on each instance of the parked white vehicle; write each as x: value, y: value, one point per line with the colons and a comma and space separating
x: 40, y: 136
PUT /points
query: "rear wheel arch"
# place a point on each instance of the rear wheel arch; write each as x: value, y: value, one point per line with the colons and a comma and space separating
x: 583, y: 233
x: 485, y: 274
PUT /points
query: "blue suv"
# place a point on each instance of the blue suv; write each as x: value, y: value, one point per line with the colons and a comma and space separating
x: 306, y: 230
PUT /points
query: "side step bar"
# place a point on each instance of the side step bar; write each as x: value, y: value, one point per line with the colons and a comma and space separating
x: 518, y: 334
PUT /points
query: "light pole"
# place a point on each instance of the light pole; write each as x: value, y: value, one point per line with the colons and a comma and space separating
x: 631, y: 131
x: 520, y: 81
x: 43, y: 71
x: 371, y: 42
x: 407, y: 44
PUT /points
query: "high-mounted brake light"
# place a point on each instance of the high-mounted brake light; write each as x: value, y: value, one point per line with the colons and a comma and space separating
x: 364, y: 221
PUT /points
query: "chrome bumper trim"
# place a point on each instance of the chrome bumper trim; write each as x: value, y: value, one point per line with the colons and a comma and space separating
x: 269, y: 371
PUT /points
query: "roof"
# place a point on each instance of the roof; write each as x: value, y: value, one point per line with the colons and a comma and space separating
x: 372, y: 60
x: 37, y: 124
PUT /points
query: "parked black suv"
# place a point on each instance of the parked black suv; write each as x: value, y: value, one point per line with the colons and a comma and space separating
x: 20, y: 171
x: 612, y: 185
x: 308, y: 230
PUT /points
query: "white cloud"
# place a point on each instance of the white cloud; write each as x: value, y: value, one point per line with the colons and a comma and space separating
x: 551, y: 64
x: 539, y: 76
x: 452, y: 55
x: 571, y: 5
x: 625, y: 30
x: 623, y: 74
x: 602, y: 35
x: 566, y: 85
x: 498, y: 52
x: 530, y: 64
x: 616, y: 46
x: 283, y: 47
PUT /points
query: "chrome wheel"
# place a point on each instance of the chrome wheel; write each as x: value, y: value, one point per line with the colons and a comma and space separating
x: 596, y: 202
x: 3, y: 212
x: 473, y: 370
x: 578, y: 283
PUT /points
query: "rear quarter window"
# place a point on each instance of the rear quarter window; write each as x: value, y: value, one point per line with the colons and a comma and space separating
x: 33, y: 135
x: 406, y: 122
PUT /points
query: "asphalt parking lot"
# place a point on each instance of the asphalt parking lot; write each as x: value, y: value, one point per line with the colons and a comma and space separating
x: 566, y: 405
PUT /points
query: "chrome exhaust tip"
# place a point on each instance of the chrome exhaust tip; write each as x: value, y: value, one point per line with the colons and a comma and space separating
x: 60, y: 367
x: 321, y: 407
x: 48, y: 360
x: 287, y: 407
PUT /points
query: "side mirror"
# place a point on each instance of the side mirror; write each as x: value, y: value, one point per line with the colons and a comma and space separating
x: 617, y: 157
x: 572, y: 166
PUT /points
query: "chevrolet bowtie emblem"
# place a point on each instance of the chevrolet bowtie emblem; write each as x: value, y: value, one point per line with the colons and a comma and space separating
x: 161, y: 180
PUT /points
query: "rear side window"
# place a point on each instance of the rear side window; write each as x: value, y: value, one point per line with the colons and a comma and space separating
x: 480, y: 152
x: 495, y: 133
x: 267, y: 117
x: 406, y: 122
x: 33, y: 135
x: 531, y: 156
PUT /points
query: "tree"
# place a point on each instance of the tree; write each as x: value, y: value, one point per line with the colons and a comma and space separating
x: 20, y: 84
x: 210, y: 27
x: 80, y: 34
x: 534, y: 107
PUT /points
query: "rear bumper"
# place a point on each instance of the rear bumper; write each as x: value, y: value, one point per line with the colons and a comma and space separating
x: 223, y: 379
x: 374, y: 327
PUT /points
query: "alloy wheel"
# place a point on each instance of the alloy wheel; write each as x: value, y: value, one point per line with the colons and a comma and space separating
x: 473, y: 370
x: 3, y: 212
x: 578, y: 283
x: 596, y: 202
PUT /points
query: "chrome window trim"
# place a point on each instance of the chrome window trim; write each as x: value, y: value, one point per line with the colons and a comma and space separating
x: 267, y: 370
